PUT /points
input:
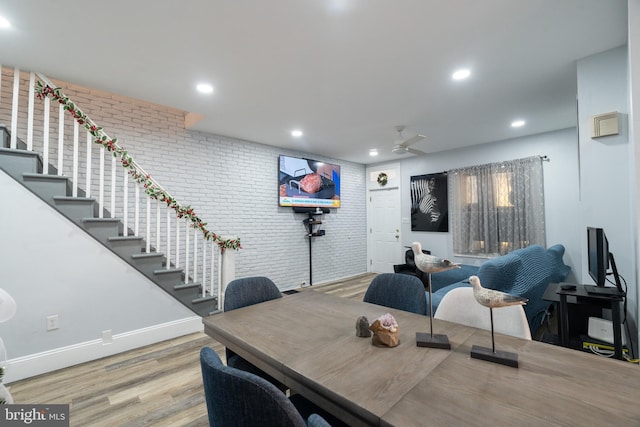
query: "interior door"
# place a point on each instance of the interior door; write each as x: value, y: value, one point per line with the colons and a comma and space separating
x: 384, y: 219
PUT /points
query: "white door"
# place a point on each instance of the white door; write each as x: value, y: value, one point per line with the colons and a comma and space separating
x: 384, y: 219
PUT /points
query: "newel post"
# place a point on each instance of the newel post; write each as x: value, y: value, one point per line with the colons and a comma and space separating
x: 228, y: 272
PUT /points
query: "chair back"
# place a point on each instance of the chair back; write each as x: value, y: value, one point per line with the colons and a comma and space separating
x: 239, y: 398
x: 248, y: 291
x: 399, y: 291
x: 460, y: 306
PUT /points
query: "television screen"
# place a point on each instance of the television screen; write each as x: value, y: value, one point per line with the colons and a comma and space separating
x: 308, y: 183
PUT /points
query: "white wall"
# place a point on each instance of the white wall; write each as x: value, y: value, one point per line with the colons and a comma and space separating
x: 588, y: 182
x: 560, y: 184
x: 606, y: 164
x: 51, y: 267
x: 231, y: 184
x: 634, y: 130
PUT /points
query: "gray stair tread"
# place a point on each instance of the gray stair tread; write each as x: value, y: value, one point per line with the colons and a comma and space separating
x: 73, y: 199
x: 100, y: 220
x: 183, y: 286
x: 45, y: 176
x: 149, y: 255
x: 123, y: 238
x: 17, y: 152
x: 203, y: 299
x: 168, y: 271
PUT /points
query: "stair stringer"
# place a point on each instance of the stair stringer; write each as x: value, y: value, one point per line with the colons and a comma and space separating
x: 52, y: 267
x: 54, y: 190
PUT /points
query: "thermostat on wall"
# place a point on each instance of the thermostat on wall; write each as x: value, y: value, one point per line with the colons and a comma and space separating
x: 604, y: 125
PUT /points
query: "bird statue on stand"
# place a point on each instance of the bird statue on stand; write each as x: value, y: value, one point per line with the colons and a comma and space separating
x: 429, y: 263
x: 492, y: 298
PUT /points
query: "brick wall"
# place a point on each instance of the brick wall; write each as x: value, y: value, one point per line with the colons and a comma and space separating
x: 231, y: 184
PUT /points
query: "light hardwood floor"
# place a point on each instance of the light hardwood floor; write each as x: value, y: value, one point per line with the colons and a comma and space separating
x: 157, y: 385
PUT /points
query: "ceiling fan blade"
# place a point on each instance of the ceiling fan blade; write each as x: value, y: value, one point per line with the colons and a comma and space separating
x: 416, y: 152
x: 413, y: 140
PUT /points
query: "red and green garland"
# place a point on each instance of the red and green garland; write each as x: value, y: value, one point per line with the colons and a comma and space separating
x: 150, y: 187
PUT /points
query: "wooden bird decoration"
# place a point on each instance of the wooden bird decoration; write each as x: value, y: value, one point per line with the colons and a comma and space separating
x: 492, y: 298
x: 429, y: 263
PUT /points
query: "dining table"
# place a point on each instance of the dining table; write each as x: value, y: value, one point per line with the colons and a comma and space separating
x: 308, y: 341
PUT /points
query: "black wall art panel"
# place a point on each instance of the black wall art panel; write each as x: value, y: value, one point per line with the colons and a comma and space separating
x: 429, y: 205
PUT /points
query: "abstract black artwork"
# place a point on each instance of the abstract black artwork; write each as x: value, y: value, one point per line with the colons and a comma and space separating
x: 429, y: 205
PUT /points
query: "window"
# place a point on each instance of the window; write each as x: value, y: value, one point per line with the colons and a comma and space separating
x: 497, y: 208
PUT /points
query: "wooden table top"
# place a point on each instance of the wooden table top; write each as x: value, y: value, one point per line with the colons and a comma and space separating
x: 307, y: 340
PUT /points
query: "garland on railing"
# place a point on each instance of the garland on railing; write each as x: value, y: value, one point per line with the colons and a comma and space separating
x: 152, y: 189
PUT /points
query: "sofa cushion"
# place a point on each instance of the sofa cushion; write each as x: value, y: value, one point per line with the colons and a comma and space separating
x: 502, y: 272
x: 445, y: 278
x: 538, y: 268
x: 524, y: 272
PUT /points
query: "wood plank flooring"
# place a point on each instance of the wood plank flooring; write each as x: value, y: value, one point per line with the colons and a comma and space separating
x: 157, y: 385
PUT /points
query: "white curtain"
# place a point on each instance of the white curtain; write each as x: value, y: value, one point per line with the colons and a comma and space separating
x: 498, y: 207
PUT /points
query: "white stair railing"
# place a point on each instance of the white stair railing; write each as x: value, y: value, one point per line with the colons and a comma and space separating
x: 119, y: 182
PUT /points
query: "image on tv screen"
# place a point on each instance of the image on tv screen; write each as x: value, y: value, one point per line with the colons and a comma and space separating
x: 308, y: 183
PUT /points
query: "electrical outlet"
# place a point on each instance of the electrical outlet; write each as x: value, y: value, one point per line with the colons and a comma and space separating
x: 106, y: 337
x: 52, y: 322
x: 303, y: 284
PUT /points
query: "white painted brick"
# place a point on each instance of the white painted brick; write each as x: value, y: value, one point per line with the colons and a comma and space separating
x: 231, y: 184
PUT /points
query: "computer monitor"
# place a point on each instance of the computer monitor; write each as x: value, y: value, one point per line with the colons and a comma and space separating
x: 599, y: 258
x: 598, y: 255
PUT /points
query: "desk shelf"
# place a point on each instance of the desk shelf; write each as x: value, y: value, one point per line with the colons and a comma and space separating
x: 584, y: 305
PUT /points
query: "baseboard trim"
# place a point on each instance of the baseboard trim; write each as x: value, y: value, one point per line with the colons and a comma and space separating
x: 63, y: 357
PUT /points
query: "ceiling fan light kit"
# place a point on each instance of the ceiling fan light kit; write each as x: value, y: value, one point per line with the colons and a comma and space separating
x: 401, y: 145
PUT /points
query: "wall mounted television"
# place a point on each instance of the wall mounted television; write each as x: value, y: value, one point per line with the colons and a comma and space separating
x: 308, y: 183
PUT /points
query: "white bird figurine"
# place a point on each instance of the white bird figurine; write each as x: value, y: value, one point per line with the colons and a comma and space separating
x: 429, y: 263
x: 492, y: 298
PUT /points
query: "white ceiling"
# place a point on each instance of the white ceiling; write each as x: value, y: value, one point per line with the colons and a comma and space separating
x: 344, y: 71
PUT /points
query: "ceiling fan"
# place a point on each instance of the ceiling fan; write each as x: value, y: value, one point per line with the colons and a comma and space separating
x: 401, y: 145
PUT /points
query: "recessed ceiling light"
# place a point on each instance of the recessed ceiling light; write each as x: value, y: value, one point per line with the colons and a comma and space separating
x: 296, y: 133
x: 204, y: 88
x: 4, y: 23
x: 461, y: 74
x: 373, y: 152
x: 517, y: 123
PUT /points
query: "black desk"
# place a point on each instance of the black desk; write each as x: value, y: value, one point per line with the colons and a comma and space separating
x: 555, y: 293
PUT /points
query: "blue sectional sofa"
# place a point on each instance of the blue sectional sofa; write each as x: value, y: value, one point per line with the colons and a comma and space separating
x: 525, y: 272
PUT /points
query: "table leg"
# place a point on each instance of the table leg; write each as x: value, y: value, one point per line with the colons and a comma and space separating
x: 563, y: 321
x: 617, y: 329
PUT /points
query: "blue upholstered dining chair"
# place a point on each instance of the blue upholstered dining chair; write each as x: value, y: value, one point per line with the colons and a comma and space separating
x: 242, y: 293
x: 239, y: 398
x: 400, y: 291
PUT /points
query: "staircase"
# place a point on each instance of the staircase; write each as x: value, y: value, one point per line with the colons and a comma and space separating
x: 137, y: 236
x: 26, y: 167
